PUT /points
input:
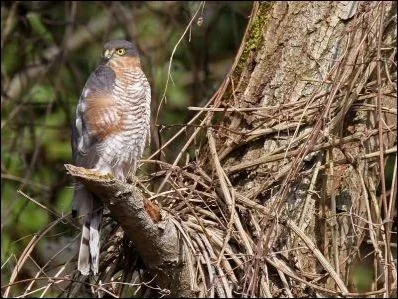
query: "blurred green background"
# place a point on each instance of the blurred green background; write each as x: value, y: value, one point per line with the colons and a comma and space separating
x: 48, y: 51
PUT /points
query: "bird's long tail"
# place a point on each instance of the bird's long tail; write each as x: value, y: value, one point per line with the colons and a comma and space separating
x: 85, y: 205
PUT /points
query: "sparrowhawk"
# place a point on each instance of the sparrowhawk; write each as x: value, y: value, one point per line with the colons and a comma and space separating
x: 109, y: 134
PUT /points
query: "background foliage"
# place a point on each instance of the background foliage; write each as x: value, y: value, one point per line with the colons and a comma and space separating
x: 48, y: 52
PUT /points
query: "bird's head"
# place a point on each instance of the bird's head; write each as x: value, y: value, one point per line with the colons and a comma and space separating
x: 120, y: 50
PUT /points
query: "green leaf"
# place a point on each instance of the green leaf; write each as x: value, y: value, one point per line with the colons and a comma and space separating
x: 38, y: 27
x: 64, y: 200
x: 43, y: 94
x: 32, y: 219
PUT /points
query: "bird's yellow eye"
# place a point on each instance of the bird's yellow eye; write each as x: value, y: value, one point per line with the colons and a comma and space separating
x: 120, y: 51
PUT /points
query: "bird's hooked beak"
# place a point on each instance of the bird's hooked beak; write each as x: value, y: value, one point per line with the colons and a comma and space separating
x: 108, y: 53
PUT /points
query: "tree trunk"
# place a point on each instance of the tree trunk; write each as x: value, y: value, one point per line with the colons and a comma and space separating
x: 280, y: 188
x: 310, y: 66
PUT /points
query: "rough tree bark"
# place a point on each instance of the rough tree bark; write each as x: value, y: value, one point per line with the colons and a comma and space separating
x: 290, y: 159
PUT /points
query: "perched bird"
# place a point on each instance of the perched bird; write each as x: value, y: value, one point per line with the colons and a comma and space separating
x: 109, y: 135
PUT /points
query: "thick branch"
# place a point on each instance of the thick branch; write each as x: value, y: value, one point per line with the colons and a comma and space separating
x: 157, y: 242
